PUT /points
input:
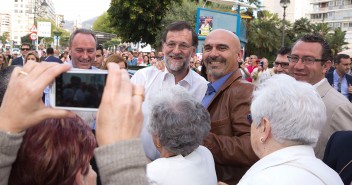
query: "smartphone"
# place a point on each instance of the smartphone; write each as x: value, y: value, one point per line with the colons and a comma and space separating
x: 78, y: 89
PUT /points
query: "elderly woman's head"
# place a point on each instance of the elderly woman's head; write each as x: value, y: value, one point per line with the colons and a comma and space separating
x: 285, y: 112
x: 56, y: 151
x: 32, y: 56
x: 178, y: 122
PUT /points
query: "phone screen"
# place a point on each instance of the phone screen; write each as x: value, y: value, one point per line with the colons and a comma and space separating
x: 79, y: 90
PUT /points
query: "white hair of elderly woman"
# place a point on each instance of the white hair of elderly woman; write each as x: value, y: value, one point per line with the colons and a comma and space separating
x: 295, y: 110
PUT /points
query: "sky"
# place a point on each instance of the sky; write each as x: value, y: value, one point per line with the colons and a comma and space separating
x: 86, y: 9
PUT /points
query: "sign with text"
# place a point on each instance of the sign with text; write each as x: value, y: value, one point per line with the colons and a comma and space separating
x: 44, y: 29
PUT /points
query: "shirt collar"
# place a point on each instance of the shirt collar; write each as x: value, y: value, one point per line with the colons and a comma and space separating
x: 218, y: 83
x: 319, y: 83
x: 188, y: 78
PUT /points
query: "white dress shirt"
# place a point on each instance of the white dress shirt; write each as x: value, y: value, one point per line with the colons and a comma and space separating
x: 155, y: 80
x: 291, y: 165
x: 196, y: 168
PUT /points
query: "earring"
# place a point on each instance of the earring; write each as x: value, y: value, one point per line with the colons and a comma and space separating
x: 261, y: 140
x: 158, y: 146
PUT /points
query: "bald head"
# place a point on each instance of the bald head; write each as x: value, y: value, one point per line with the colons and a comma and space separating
x: 228, y: 35
x: 222, y: 51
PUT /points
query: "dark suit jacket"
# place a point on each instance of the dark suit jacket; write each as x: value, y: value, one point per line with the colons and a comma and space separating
x: 330, y: 77
x: 17, y: 61
x: 338, y: 154
x: 53, y: 59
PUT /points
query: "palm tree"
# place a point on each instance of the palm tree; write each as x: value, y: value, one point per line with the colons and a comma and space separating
x: 264, y: 35
x: 336, y: 40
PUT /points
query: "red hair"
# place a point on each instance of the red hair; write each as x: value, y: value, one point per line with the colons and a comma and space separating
x: 52, y: 153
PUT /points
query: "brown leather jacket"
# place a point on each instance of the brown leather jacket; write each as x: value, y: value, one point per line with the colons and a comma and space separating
x: 229, y: 137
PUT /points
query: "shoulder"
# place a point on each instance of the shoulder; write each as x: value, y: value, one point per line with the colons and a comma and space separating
x: 145, y: 74
x: 198, y: 78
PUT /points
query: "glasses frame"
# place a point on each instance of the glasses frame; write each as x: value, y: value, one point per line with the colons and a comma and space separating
x: 27, y: 49
x: 305, y: 60
x: 284, y: 65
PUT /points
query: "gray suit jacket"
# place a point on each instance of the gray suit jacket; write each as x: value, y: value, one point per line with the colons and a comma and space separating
x: 338, y: 112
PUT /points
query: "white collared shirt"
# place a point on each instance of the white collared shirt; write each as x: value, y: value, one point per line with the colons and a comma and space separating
x: 155, y: 80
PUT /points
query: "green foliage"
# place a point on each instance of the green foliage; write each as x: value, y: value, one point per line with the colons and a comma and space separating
x: 264, y: 35
x: 186, y: 11
x: 138, y: 20
x: 336, y: 40
x: 5, y: 36
x: 102, y: 24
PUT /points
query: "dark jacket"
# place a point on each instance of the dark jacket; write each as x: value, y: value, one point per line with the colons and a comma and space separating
x: 17, y: 61
x: 53, y: 59
x: 330, y: 77
x: 338, y: 155
x: 229, y: 137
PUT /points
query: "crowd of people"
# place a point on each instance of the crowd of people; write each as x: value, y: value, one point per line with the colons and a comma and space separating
x: 184, y: 119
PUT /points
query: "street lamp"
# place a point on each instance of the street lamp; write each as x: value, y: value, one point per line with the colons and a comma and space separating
x: 38, y: 10
x: 57, y: 35
x: 284, y: 4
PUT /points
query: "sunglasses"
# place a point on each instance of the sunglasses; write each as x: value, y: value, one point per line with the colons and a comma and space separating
x: 25, y: 49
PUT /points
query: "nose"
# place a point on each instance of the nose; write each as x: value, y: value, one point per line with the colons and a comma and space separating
x: 299, y: 65
x: 85, y: 54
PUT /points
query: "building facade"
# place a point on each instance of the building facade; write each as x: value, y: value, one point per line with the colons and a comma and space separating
x: 23, y: 14
x: 337, y: 13
x: 295, y: 10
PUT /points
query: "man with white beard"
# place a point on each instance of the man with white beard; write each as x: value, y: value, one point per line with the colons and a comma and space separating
x: 179, y: 43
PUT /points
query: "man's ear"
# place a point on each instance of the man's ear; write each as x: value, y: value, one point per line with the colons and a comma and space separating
x: 79, y: 179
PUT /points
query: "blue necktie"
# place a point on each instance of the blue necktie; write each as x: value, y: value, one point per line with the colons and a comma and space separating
x: 210, y: 90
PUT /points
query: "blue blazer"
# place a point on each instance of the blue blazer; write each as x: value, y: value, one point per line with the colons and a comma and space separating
x: 17, y: 61
x: 53, y: 59
x: 330, y: 77
x: 338, y: 154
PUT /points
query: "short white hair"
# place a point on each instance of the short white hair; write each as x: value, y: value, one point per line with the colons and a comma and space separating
x: 295, y: 110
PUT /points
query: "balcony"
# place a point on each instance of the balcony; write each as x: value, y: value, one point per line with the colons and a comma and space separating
x: 319, y: 1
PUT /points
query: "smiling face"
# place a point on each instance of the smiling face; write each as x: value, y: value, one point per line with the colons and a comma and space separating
x: 178, y: 50
x: 311, y: 73
x: 82, y: 51
x: 221, y: 53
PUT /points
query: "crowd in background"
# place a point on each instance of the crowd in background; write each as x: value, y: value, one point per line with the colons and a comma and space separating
x: 182, y: 118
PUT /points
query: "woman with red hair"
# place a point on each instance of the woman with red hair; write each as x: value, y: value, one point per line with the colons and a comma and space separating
x: 56, y: 151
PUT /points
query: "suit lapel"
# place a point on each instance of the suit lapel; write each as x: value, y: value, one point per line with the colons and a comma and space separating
x: 236, y: 74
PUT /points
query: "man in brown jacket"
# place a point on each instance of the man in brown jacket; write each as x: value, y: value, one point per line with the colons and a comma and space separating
x: 228, y: 104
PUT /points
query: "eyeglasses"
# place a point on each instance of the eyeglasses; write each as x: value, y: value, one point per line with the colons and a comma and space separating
x: 305, y: 60
x: 182, y: 46
x: 23, y: 49
x: 249, y: 119
x: 282, y: 64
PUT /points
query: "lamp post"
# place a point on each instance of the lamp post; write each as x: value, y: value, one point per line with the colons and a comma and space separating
x: 37, y: 12
x: 284, y: 4
x: 57, y: 38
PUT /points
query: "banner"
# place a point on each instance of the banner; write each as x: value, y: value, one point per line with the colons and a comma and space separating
x: 44, y: 29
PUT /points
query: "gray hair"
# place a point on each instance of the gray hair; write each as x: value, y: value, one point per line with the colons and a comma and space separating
x: 180, y: 122
x: 82, y: 31
x: 295, y: 110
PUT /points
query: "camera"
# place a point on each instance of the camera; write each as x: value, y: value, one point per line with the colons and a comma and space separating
x: 262, y: 63
x: 78, y: 90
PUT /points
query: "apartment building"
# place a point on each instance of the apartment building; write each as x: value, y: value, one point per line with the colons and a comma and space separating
x: 23, y: 14
x: 337, y: 13
x: 295, y: 10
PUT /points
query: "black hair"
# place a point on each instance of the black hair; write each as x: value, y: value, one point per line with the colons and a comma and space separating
x: 179, y: 26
